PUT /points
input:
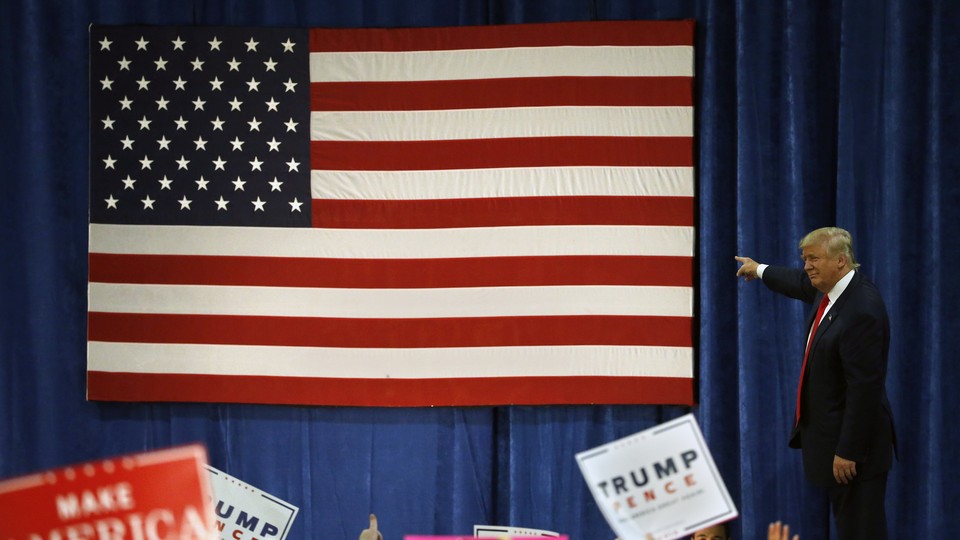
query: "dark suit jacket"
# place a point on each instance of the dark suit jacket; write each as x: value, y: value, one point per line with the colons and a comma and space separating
x: 844, y: 408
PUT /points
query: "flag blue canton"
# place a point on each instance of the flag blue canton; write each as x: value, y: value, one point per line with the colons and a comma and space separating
x: 208, y: 129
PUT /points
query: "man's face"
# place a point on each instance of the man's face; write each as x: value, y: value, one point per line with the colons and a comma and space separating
x: 710, y: 533
x: 823, y: 270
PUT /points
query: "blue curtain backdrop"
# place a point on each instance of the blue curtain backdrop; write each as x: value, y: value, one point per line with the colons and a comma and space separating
x: 810, y: 113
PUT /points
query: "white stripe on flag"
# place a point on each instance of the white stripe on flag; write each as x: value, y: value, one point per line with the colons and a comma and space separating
x: 392, y: 244
x: 394, y: 363
x: 561, y: 61
x: 392, y: 303
x: 518, y: 122
x: 512, y: 182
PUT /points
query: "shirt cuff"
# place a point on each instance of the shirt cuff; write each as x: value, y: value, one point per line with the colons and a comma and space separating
x: 760, y: 269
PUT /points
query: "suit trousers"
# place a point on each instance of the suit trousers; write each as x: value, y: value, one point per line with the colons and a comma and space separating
x: 858, y: 508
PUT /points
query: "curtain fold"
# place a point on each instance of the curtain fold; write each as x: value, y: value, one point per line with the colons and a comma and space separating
x: 808, y: 114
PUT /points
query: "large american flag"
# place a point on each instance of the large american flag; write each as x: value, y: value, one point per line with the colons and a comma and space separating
x: 392, y: 217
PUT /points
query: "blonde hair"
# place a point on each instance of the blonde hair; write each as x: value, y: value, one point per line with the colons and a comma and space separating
x: 837, y: 241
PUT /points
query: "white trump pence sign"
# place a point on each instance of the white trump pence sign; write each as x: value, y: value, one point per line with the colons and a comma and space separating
x: 660, y: 483
x: 244, y: 512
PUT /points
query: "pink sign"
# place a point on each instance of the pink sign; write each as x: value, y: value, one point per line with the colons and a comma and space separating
x: 154, y: 495
x: 409, y: 537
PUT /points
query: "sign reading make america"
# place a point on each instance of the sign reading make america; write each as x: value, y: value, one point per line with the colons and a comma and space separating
x: 392, y: 217
x: 160, y: 494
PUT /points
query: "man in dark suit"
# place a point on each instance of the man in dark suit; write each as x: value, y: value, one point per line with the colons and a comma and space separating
x: 843, y: 423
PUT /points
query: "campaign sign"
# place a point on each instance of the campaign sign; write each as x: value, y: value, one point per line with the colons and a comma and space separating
x: 149, y: 496
x: 483, y: 531
x: 511, y: 537
x: 244, y: 512
x: 660, y: 483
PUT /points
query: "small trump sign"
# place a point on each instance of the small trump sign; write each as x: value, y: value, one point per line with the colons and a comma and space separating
x: 244, y: 512
x: 487, y: 531
x: 660, y: 483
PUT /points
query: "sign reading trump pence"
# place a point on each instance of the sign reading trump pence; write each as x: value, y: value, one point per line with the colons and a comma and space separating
x: 660, y: 483
x: 244, y: 512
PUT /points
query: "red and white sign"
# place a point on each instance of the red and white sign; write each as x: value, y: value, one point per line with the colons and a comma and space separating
x: 150, y: 496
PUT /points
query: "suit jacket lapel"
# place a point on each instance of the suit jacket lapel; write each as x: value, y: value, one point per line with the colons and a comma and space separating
x: 835, y: 310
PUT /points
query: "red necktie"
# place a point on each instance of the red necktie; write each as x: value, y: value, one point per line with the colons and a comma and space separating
x: 806, y: 354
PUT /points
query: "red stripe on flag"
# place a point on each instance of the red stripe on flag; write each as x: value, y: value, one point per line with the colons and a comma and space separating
x: 499, y: 153
x: 392, y: 273
x: 598, y: 33
x: 389, y: 392
x: 502, y: 212
x: 490, y: 93
x: 391, y: 333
